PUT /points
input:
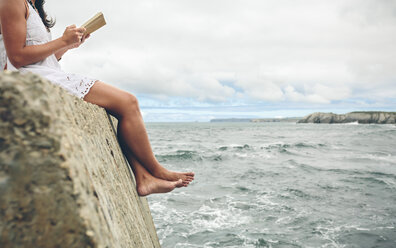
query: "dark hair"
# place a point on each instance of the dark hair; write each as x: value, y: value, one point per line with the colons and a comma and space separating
x: 48, y: 22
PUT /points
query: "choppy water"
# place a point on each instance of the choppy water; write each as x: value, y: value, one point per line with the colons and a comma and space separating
x: 277, y: 185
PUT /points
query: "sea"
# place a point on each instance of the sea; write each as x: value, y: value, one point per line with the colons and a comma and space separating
x: 277, y: 185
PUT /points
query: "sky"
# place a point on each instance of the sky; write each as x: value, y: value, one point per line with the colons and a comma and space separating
x: 198, y: 60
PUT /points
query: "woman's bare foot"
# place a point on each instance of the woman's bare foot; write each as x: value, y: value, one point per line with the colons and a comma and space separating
x: 149, y: 185
x: 168, y: 175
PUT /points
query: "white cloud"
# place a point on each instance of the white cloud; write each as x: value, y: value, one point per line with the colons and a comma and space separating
x: 297, y: 51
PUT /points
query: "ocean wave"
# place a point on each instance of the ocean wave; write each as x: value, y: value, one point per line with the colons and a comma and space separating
x: 280, y: 186
x: 286, y: 147
x: 378, y: 173
x: 329, y: 188
x: 383, y: 133
x: 252, y: 151
x: 375, y: 180
x: 212, y: 218
x: 180, y: 155
x: 275, y: 146
x: 269, y: 243
x: 379, y: 156
x: 345, y: 171
x: 351, y: 123
x: 304, y: 167
x: 353, y: 235
x: 268, y: 203
x: 214, y: 157
x: 302, y: 194
x: 364, y: 177
x: 234, y: 147
x: 252, y: 174
x: 223, y: 148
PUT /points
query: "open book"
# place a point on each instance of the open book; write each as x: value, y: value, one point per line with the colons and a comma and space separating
x: 94, y: 23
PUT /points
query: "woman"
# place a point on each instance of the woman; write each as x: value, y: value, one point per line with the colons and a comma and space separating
x: 29, y: 47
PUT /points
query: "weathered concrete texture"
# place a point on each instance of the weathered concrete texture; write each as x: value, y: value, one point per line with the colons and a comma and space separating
x: 360, y: 117
x: 64, y: 181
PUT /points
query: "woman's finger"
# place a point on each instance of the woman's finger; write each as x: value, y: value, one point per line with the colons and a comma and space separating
x: 86, y: 36
x: 81, y: 30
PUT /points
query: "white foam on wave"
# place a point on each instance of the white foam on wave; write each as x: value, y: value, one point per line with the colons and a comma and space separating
x: 384, y: 157
x: 157, y: 207
x: 385, y: 227
x: 351, y: 123
x: 388, y: 181
x: 272, y: 144
x: 183, y: 245
x: 284, y: 220
x: 266, y: 203
x: 331, y: 235
x: 241, y: 155
x: 211, y: 218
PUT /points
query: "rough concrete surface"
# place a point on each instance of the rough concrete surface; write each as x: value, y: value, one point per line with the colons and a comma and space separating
x: 64, y: 181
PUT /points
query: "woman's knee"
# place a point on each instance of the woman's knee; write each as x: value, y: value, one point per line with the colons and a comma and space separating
x: 117, y: 101
x: 130, y: 103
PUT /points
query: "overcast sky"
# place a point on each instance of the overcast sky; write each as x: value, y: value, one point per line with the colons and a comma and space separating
x: 196, y: 60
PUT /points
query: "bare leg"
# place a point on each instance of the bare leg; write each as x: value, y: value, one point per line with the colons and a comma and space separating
x: 124, y: 106
x: 146, y: 184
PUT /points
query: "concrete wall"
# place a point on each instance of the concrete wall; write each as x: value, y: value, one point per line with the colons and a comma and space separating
x: 64, y: 181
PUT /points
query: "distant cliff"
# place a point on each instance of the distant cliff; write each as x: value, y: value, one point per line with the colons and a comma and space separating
x: 64, y: 181
x: 360, y: 117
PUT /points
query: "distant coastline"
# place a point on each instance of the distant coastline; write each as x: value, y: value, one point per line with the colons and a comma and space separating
x: 286, y: 119
x: 361, y: 117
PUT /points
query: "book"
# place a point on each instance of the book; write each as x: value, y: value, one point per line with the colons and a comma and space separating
x: 93, y: 24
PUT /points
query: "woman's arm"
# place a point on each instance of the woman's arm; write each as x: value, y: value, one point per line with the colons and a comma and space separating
x: 13, y: 27
x: 60, y: 53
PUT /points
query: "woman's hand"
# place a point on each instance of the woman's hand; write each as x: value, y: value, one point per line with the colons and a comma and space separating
x: 85, y: 36
x: 73, y: 36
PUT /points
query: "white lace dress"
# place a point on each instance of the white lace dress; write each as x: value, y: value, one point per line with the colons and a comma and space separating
x: 49, y: 68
